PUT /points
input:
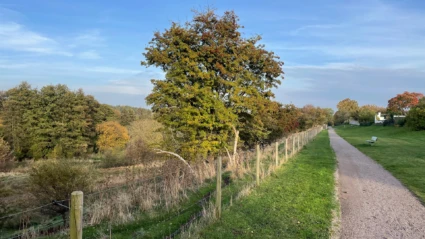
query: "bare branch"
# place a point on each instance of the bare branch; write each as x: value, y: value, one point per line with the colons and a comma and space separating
x: 159, y: 151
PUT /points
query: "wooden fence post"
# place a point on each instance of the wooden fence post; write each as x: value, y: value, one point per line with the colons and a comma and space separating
x: 298, y: 138
x: 218, y: 190
x: 293, y: 145
x: 277, y: 153
x: 76, y: 215
x: 286, y: 149
x: 257, y: 172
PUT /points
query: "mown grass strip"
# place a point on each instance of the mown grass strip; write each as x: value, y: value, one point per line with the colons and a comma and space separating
x: 295, y: 202
x: 399, y: 150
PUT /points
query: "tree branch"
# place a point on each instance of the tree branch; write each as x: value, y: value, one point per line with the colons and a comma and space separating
x: 159, y: 151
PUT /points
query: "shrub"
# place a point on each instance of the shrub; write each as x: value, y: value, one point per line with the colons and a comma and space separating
x: 114, y: 158
x: 6, y: 158
x: 54, y: 180
x: 416, y: 117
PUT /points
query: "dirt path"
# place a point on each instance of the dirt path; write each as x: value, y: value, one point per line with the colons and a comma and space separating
x: 374, y: 204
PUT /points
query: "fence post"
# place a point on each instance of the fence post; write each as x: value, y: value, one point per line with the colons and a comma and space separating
x: 293, y: 145
x: 218, y: 190
x: 286, y: 149
x: 298, y: 138
x: 76, y: 215
x: 277, y: 153
x: 257, y: 171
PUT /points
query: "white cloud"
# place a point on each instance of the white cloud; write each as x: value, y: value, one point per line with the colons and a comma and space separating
x: 91, y: 38
x: 112, y: 70
x: 16, y: 37
x: 89, y: 55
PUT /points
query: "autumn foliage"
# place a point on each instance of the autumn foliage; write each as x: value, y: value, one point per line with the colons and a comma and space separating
x: 402, y: 103
x: 112, y: 135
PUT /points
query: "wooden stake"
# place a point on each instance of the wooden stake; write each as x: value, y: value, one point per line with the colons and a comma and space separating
x: 218, y: 190
x: 257, y: 172
x: 76, y: 215
x: 277, y: 154
x: 286, y: 149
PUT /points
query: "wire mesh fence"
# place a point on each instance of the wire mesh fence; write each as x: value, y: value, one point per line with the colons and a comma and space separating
x: 165, y: 192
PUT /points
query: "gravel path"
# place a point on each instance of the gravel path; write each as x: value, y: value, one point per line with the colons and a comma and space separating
x: 374, y: 204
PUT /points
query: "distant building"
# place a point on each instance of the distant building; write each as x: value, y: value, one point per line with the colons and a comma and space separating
x: 352, y: 121
x: 380, y: 118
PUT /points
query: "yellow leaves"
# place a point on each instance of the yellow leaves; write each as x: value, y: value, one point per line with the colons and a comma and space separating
x: 112, y: 135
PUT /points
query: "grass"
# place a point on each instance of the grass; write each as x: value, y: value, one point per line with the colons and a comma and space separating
x: 294, y: 202
x: 398, y: 150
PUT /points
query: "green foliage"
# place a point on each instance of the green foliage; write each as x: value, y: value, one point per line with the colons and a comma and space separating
x: 52, y: 122
x: 296, y: 202
x: 347, y: 108
x: 313, y: 116
x: 399, y: 150
x: 215, y: 81
x: 366, y: 116
x: 6, y: 158
x: 416, y: 117
x: 56, y: 179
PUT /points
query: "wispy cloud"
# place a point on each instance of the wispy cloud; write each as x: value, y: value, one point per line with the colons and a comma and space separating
x: 91, y: 38
x: 89, y: 55
x: 112, y: 70
x: 16, y: 37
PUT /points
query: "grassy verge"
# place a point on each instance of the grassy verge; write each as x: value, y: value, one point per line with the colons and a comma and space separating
x: 399, y: 150
x: 295, y: 202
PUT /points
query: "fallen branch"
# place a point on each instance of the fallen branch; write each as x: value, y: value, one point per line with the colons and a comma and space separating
x: 176, y: 155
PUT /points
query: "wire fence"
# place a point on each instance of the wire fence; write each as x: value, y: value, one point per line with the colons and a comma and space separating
x: 160, y: 185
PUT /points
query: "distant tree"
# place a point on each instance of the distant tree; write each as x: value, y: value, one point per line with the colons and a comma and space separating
x: 147, y: 130
x: 347, y: 108
x: 53, y: 122
x: 366, y: 115
x: 340, y: 117
x: 402, y: 103
x: 17, y: 107
x: 416, y: 116
x: 112, y: 135
x: 217, y: 84
x: 6, y: 158
x: 312, y: 116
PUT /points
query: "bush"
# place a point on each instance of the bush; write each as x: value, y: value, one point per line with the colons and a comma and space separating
x: 55, y: 180
x: 388, y: 122
x: 6, y: 158
x: 416, y: 117
x: 114, y: 158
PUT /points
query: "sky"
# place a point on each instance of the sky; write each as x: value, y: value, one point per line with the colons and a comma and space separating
x: 366, y: 50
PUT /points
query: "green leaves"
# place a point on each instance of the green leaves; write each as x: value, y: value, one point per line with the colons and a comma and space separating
x: 215, y: 80
x: 52, y: 122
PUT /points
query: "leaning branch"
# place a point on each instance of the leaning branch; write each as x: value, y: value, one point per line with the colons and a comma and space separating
x: 176, y: 155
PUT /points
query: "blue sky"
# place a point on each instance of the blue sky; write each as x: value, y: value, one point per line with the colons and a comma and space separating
x: 365, y: 50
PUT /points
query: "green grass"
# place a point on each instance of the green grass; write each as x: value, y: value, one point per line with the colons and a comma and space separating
x: 295, y: 202
x: 399, y: 150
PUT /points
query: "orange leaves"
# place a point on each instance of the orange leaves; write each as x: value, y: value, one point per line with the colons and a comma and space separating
x: 112, y: 135
x: 403, y: 102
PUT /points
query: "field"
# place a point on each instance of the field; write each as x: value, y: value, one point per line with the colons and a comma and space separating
x: 295, y: 202
x: 398, y: 150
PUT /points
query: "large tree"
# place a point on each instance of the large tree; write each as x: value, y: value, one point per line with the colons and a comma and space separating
x: 217, y: 83
x: 401, y: 103
x: 346, y: 108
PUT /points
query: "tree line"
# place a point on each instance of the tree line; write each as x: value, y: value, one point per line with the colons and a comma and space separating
x: 410, y: 105
x: 55, y: 122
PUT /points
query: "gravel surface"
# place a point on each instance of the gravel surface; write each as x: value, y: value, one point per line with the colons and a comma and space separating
x: 374, y: 204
